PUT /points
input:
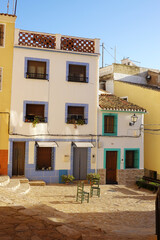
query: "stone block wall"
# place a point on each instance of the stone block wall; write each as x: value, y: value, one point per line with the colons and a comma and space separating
x: 102, y: 173
x: 129, y: 176
x: 124, y: 176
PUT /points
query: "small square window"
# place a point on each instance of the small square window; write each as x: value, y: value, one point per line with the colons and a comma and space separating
x: 77, y: 72
x: 36, y: 70
x: 35, y: 113
x: 131, y: 159
x: 76, y: 113
x: 1, y: 35
x: 44, y: 158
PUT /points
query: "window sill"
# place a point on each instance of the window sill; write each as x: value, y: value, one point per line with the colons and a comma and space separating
x: 131, y: 168
x: 32, y: 122
x: 40, y: 170
x: 109, y: 134
x: 37, y: 78
x: 76, y: 81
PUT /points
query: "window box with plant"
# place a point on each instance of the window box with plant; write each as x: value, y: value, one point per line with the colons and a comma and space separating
x: 90, y: 176
x: 35, y: 113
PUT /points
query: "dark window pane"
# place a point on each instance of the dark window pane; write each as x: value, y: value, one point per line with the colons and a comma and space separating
x: 76, y: 110
x: 36, y: 69
x: 1, y: 34
x: 44, y: 157
x: 35, y: 111
x: 109, y: 124
x: 77, y: 73
x: 76, y: 113
x: 129, y: 159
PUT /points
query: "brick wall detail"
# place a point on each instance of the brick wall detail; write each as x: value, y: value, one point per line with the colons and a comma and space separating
x: 124, y: 176
x: 3, y: 162
x: 129, y: 176
x: 102, y: 173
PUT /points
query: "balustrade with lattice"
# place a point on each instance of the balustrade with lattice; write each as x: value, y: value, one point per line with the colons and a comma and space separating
x: 57, y: 41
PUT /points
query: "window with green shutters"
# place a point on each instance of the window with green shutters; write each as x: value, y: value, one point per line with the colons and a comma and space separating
x: 109, y: 124
x: 131, y: 158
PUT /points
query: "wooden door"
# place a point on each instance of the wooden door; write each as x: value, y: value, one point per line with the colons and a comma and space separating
x: 80, y: 163
x: 111, y: 166
x: 18, y: 158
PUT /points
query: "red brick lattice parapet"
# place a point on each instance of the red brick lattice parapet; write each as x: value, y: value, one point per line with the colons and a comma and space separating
x: 77, y: 45
x: 37, y: 40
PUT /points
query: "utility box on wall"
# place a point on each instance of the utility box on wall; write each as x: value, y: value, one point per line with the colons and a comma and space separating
x: 66, y: 158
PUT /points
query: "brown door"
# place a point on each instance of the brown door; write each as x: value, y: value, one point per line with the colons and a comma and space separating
x: 18, y: 158
x: 111, y: 166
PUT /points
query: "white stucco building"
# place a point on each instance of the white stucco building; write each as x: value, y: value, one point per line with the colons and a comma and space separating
x: 120, y: 141
x: 53, y: 124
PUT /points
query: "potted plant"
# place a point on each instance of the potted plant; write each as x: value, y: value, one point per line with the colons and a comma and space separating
x: 67, y: 178
x: 90, y: 176
x: 35, y: 121
x: 80, y: 121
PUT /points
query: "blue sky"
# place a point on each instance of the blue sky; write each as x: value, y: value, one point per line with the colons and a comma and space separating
x: 131, y: 26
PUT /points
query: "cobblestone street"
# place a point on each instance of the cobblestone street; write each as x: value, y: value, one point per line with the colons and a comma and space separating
x: 51, y: 212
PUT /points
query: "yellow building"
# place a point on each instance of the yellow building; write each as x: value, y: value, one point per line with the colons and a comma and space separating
x: 7, y: 27
x: 147, y: 97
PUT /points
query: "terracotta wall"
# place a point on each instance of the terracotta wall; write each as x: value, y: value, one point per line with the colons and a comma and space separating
x: 3, y: 162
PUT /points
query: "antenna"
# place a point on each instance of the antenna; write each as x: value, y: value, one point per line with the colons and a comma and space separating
x: 115, y: 54
x: 8, y: 7
x: 15, y: 8
x: 102, y: 55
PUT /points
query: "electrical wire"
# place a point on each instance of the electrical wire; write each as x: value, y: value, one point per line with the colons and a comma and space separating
x: 70, y: 135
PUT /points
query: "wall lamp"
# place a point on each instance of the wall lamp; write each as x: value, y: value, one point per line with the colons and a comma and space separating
x: 133, y: 120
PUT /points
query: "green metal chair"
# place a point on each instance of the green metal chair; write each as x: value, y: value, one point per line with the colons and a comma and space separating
x: 81, y: 194
x: 95, y: 187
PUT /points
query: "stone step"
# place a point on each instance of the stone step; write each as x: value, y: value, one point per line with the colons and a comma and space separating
x: 37, y: 183
x: 22, y: 179
x: 23, y: 189
x: 4, y: 180
x: 13, y: 185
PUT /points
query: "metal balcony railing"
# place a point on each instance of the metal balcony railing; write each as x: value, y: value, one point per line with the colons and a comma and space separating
x: 37, y: 75
x: 74, y: 78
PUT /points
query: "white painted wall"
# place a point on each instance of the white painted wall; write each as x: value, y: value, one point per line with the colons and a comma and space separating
x: 130, y: 78
x: 57, y: 91
x: 110, y: 86
x: 125, y: 137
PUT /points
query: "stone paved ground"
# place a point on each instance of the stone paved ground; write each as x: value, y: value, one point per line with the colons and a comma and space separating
x: 51, y: 213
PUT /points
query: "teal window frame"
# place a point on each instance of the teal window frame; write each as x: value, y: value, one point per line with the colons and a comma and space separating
x: 118, y: 150
x: 115, y: 115
x: 136, y: 155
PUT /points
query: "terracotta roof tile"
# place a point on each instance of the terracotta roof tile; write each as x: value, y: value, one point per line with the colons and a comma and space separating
x: 6, y: 14
x: 112, y: 102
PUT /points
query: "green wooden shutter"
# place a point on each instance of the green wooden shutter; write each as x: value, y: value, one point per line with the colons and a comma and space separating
x: 136, y: 159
